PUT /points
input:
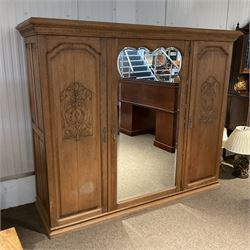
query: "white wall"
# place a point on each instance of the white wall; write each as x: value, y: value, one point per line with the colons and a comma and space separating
x: 17, y: 192
x: 16, y: 154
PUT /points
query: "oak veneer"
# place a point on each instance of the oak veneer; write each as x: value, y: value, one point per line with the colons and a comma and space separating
x: 211, y: 61
x: 73, y: 83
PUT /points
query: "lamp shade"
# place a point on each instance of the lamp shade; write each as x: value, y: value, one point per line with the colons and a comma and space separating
x: 239, y: 141
x: 225, y: 137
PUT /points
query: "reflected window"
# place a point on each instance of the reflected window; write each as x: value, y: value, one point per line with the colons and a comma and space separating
x: 141, y: 64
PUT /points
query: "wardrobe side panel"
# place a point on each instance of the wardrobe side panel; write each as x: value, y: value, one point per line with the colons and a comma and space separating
x: 37, y: 126
x: 209, y: 83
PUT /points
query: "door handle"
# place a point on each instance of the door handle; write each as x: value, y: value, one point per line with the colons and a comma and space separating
x: 190, y: 123
x: 104, y: 135
x: 114, y: 134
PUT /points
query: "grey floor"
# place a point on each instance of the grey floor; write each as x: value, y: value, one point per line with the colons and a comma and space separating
x: 142, y: 168
x: 217, y: 219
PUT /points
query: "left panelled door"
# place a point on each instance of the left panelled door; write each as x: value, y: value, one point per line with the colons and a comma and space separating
x: 77, y: 121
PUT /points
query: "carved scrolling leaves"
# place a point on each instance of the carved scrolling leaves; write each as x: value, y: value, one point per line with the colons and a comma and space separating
x: 76, y: 113
x: 208, y: 105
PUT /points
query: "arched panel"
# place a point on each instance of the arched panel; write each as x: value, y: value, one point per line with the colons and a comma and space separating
x: 208, y: 87
x: 74, y: 82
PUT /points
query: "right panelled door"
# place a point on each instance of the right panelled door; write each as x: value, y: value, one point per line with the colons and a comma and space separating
x: 206, y: 111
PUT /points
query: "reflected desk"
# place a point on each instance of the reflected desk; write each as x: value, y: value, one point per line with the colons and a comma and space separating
x: 148, y: 106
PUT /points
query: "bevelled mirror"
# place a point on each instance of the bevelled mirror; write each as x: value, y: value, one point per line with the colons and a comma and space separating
x: 160, y: 65
x: 147, y: 118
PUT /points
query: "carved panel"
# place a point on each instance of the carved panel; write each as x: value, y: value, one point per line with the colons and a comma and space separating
x: 209, y: 92
x: 76, y: 103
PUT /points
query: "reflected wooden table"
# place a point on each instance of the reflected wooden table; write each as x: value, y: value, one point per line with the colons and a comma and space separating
x: 150, y: 106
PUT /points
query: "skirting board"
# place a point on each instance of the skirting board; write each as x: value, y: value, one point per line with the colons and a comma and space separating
x: 17, y: 192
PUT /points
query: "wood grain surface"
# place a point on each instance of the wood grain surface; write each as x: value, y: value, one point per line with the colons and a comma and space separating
x: 73, y: 86
x: 9, y: 240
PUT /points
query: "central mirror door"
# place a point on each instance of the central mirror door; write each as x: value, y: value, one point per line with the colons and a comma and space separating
x: 147, y: 111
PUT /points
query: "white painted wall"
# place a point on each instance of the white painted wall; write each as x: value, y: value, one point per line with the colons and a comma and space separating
x: 17, y: 192
x: 197, y: 13
x: 16, y: 154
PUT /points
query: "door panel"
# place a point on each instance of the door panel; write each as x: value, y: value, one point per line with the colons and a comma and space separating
x: 210, y: 72
x: 117, y: 144
x: 75, y: 102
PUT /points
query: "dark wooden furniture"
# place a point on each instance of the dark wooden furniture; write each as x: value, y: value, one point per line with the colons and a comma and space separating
x: 238, y: 110
x: 238, y: 107
x: 73, y: 79
x: 147, y: 106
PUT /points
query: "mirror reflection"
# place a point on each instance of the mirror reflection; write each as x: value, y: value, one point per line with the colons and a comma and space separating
x: 147, y: 116
x: 160, y: 65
